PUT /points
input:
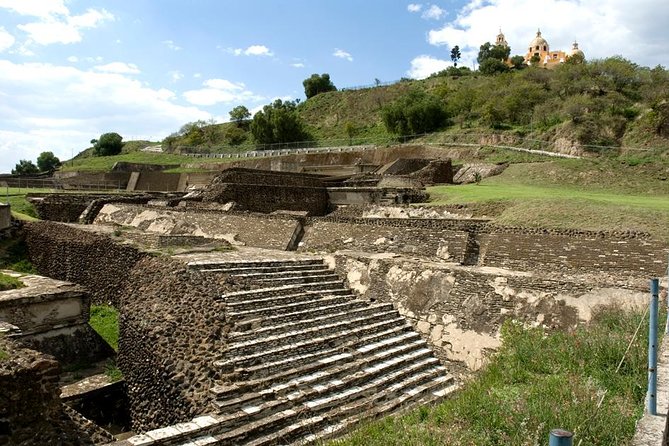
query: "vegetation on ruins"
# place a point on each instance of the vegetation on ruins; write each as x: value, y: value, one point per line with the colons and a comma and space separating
x: 414, y: 113
x: 104, y: 320
x: 25, y: 167
x: 317, y: 84
x: 8, y: 282
x: 538, y: 381
x: 278, y: 122
x: 47, y: 162
x: 108, y: 144
x: 14, y: 256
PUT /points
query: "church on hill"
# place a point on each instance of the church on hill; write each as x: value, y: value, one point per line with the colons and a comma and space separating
x: 540, y: 53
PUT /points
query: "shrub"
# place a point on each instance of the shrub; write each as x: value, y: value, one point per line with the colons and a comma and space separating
x: 414, y: 113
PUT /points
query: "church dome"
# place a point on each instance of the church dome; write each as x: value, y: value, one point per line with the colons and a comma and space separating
x: 539, y: 43
x: 575, y: 51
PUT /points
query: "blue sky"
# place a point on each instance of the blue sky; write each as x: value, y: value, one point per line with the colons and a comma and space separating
x: 71, y: 70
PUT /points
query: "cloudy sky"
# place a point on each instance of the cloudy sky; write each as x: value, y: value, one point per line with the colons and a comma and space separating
x: 73, y: 69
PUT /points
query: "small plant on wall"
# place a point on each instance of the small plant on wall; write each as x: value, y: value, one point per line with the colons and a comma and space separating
x: 477, y: 177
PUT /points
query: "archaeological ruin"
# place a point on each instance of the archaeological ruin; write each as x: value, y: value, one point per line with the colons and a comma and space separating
x: 277, y: 304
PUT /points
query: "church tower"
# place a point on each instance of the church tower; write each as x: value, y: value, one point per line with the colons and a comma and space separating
x: 501, y: 40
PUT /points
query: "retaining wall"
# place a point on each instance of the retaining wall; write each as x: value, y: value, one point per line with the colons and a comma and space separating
x: 460, y: 310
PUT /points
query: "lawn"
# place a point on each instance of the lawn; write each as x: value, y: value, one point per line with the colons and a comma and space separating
x: 570, y: 194
x: 104, y: 320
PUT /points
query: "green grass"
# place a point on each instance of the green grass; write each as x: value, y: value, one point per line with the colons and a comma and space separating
x: 14, y: 256
x: 113, y: 372
x: 104, y: 320
x: 105, y: 163
x: 8, y: 282
x: 534, y: 383
x: 604, y: 195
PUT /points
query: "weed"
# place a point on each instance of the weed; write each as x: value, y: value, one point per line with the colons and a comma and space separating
x: 112, y: 371
x: 8, y: 282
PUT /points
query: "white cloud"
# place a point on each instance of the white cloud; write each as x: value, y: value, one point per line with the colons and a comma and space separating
x: 36, y: 8
x: 297, y: 65
x: 56, y: 25
x: 171, y: 45
x: 423, y: 66
x: 73, y: 59
x: 253, y: 50
x: 218, y: 91
x: 6, y: 39
x: 60, y: 108
x: 414, y: 7
x: 176, y: 75
x: 118, y: 68
x: 603, y: 28
x: 434, y: 12
x: 342, y: 54
x: 197, y: 75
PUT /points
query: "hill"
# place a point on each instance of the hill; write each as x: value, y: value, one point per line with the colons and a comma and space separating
x: 602, y: 106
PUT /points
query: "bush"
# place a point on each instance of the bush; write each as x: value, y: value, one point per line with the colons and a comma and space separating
x: 414, y: 113
x: 108, y: 144
x: 316, y: 84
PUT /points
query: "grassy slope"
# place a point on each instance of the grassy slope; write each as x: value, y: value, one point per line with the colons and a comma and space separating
x: 536, y: 382
x: 595, y: 195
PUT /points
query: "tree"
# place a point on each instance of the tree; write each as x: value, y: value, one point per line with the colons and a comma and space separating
x: 239, y: 114
x: 492, y: 58
x: 317, y: 84
x: 278, y: 122
x: 455, y: 55
x: 351, y: 130
x: 25, y: 167
x: 414, y: 113
x: 108, y: 144
x: 518, y: 62
x: 47, y: 162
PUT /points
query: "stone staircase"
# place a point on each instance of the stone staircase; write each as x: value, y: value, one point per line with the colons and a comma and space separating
x: 306, y: 360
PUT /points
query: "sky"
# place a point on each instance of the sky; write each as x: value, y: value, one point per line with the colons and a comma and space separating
x: 71, y: 70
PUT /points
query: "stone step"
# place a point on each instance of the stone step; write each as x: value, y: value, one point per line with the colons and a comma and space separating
x: 258, y: 390
x: 218, y: 264
x: 332, y: 430
x: 275, y: 319
x: 286, y: 304
x: 267, y: 269
x: 270, y: 422
x: 313, y: 344
x: 255, y: 275
x: 249, y: 346
x: 319, y: 359
x: 265, y: 328
x: 300, y: 279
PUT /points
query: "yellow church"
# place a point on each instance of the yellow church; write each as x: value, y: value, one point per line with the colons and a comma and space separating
x: 540, y: 53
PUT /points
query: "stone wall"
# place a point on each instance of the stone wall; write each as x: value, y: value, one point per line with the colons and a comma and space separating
x: 329, y: 236
x: 53, y: 318
x: 157, y: 181
x: 94, y: 261
x: 268, y: 178
x: 460, y: 310
x: 5, y: 216
x: 478, y: 242
x: 237, y: 229
x: 31, y: 413
x: 68, y: 207
x: 172, y: 325
x: 172, y: 330
x: 573, y: 252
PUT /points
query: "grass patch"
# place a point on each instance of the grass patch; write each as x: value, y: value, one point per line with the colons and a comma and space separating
x: 14, y: 256
x: 534, y: 383
x: 105, y: 163
x: 3, y: 355
x: 8, y: 282
x: 104, y: 320
x: 112, y: 371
